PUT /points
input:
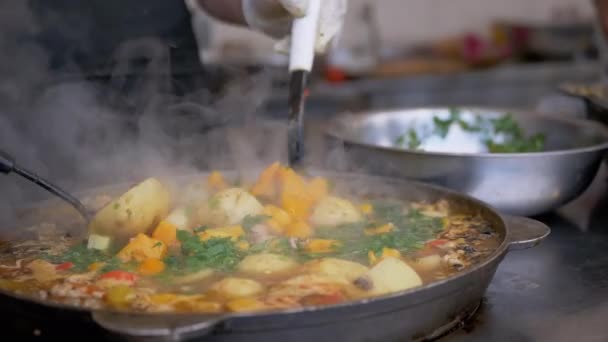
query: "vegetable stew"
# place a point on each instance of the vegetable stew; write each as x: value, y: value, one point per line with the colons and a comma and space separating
x: 284, y: 241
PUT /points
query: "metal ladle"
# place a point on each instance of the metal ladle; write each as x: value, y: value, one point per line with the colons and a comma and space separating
x: 8, y: 165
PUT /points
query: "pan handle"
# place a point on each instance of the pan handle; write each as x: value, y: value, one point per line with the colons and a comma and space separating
x: 525, y: 232
x: 157, y: 327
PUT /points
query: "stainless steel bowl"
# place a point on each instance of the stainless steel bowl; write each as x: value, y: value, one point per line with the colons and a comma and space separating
x: 520, y: 184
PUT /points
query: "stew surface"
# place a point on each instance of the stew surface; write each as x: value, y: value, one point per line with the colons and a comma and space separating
x: 284, y: 241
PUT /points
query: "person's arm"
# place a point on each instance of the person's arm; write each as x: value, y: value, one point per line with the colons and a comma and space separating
x: 274, y: 17
x: 230, y: 11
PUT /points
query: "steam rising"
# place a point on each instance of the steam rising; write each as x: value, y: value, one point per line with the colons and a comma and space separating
x: 82, y: 134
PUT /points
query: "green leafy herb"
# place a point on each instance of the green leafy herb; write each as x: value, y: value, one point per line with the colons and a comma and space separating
x: 251, y: 221
x: 158, y: 244
x: 216, y: 253
x: 412, y: 140
x: 412, y: 230
x: 80, y: 256
x: 116, y: 206
x: 442, y: 127
x: 513, y: 139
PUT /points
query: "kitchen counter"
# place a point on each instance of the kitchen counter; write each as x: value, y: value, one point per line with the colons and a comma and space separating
x: 557, y: 291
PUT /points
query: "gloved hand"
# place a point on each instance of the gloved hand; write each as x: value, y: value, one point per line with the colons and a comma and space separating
x: 274, y: 18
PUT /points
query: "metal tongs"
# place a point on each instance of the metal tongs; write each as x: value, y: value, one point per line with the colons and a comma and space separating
x: 8, y: 165
x: 301, y: 58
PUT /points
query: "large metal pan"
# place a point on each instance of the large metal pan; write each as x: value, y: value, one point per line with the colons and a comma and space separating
x: 520, y: 183
x: 416, y: 314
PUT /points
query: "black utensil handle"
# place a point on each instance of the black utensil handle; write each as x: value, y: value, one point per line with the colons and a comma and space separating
x: 54, y: 189
x: 295, y: 134
x: 7, y: 162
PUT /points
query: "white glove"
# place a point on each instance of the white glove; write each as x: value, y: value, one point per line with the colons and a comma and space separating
x: 274, y: 18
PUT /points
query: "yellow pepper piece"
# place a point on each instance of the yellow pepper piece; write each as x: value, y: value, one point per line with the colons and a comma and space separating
x: 163, y: 298
x: 242, y: 245
x: 266, y: 185
x: 165, y: 232
x: 216, y: 181
x: 232, y: 232
x: 383, y: 229
x: 95, y: 266
x: 366, y: 208
x: 142, y: 247
x: 371, y: 257
x: 245, y: 304
x: 386, y: 253
x: 151, y: 267
x: 322, y: 246
x: 299, y: 229
x: 119, y: 296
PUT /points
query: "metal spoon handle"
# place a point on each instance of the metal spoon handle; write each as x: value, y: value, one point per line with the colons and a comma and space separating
x: 8, y: 165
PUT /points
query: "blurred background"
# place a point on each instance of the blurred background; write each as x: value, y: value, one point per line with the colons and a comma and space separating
x: 419, y: 52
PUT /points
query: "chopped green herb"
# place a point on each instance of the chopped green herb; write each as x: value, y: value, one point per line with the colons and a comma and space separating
x: 158, y: 244
x: 80, y: 256
x: 216, y: 253
x: 412, y: 140
x: 506, y: 127
x: 116, y: 206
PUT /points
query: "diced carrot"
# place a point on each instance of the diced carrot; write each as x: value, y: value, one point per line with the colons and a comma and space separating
x: 216, y: 181
x: 297, y: 206
x: 279, y: 215
x: 299, y: 229
x: 322, y: 246
x: 151, y: 267
x: 141, y: 248
x: 318, y: 188
x: 266, y: 185
x: 294, y: 196
x: 165, y: 232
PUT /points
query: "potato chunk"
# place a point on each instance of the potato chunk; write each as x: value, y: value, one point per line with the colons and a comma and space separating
x: 389, y: 275
x: 348, y: 270
x: 333, y: 211
x: 232, y: 288
x: 137, y: 211
x: 427, y: 263
x: 229, y: 207
x: 266, y: 263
